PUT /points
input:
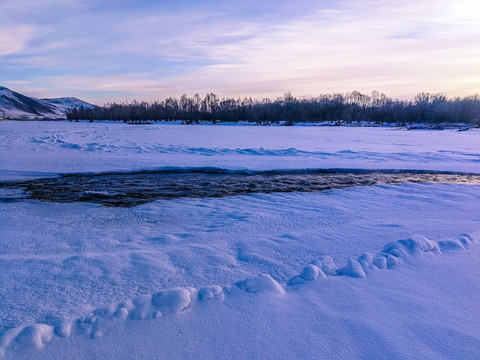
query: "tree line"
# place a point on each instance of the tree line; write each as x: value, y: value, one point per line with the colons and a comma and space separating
x: 288, y: 110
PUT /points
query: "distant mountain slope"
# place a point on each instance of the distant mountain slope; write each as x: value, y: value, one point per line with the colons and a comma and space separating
x: 16, y: 105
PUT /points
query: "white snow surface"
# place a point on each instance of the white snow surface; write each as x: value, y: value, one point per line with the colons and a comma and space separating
x: 384, y: 272
x: 59, y: 147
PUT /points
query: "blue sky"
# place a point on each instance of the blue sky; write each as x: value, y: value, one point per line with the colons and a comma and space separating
x: 104, y: 51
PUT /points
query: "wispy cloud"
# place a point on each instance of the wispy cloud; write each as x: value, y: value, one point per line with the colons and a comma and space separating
x: 149, y: 50
x: 14, y: 39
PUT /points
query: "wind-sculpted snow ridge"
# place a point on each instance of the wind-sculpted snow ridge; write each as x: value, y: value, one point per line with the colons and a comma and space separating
x: 66, y: 142
x: 393, y: 253
x: 176, y: 300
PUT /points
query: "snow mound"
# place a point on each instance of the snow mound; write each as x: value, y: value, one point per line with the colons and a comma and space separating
x: 326, y: 264
x: 176, y: 300
x: 310, y: 272
x: 172, y: 300
x: 411, y: 246
x: 64, y: 330
x: 143, y: 307
x: 32, y: 336
x: 393, y: 254
x: 380, y: 262
x: 366, y: 261
x: 456, y: 244
x: 261, y: 284
x: 209, y: 292
x: 353, y: 269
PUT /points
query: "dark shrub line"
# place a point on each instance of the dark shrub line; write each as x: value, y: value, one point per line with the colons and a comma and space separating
x: 346, y: 108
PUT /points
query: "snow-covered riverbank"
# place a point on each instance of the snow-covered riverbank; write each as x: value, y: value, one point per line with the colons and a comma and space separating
x: 45, y: 148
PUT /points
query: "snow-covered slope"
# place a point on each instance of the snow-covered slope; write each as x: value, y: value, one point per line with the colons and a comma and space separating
x: 63, y: 104
x: 16, y: 105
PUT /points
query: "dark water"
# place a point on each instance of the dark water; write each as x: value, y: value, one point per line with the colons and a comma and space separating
x: 131, y: 189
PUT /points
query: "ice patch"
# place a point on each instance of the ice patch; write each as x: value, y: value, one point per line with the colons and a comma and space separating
x: 11, y: 194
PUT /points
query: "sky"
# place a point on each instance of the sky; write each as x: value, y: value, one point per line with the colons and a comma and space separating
x: 104, y: 51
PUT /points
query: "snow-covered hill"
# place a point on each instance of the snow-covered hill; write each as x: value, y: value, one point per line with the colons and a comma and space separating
x: 15, y: 105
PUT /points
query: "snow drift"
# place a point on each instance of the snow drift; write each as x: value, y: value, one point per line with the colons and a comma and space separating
x: 34, y: 337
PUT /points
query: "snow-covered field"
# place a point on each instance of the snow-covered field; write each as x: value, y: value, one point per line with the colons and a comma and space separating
x: 257, y: 276
x: 57, y: 147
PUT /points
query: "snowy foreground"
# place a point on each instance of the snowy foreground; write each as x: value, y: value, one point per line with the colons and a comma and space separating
x: 380, y: 272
